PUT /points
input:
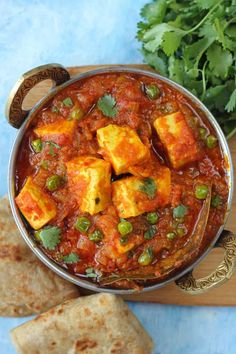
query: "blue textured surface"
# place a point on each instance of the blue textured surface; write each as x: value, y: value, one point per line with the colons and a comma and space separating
x: 96, y: 32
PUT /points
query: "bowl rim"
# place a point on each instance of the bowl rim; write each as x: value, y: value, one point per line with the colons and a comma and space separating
x: 11, y: 180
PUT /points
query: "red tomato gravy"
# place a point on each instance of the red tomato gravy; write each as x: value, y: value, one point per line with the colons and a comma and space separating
x: 160, y: 193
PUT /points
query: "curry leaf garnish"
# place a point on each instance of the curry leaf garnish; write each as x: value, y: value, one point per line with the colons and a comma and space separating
x: 180, y: 211
x: 50, y: 236
x: 148, y: 187
x: 193, y: 43
x: 107, y: 104
x: 71, y: 258
x: 52, y: 146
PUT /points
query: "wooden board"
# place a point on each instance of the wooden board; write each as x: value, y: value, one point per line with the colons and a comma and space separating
x: 170, y: 294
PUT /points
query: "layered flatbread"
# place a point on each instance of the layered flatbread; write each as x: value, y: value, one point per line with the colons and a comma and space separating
x: 95, y: 324
x: 26, y: 285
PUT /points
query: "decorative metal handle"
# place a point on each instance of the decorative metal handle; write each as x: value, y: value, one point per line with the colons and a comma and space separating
x: 14, y: 112
x: 223, y: 272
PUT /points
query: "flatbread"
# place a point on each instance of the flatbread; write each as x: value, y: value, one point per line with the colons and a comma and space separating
x: 96, y: 324
x: 26, y: 286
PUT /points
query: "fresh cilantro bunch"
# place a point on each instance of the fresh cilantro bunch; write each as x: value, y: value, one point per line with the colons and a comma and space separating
x: 193, y: 42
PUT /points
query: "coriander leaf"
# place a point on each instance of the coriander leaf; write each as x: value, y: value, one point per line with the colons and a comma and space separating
x: 142, y: 28
x: 154, y: 12
x: 219, y: 26
x: 55, y: 109
x: 207, y: 30
x: 171, y: 42
x: 67, y: 102
x: 220, y: 99
x: 50, y: 236
x: 193, y: 53
x: 153, y: 37
x: 231, y: 105
x: 148, y: 187
x: 71, y: 258
x: 156, y: 61
x: 148, y: 235
x: 231, y: 31
x: 90, y: 273
x: 180, y: 211
x: 107, y: 105
x: 219, y: 60
x: 206, y: 4
x: 176, y: 70
x: 52, y: 145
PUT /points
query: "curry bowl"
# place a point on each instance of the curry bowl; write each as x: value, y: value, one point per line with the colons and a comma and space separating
x: 120, y: 180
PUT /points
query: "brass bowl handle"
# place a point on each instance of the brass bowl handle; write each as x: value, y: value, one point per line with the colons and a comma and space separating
x: 223, y: 272
x: 14, y: 112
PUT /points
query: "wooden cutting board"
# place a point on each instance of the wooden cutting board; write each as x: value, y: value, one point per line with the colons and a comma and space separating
x: 170, y: 294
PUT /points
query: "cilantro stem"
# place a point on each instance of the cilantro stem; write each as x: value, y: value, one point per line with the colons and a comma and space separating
x: 203, y: 80
x: 204, y: 18
x: 231, y: 133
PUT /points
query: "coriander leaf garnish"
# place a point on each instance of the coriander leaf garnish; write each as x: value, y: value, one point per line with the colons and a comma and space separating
x: 148, y: 187
x: 180, y: 211
x: 90, y: 273
x: 52, y: 146
x: 107, y: 104
x: 68, y: 102
x: 49, y: 236
x: 55, y: 109
x: 71, y: 258
x: 149, y: 234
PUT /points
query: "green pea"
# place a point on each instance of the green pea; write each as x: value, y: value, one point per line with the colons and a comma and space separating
x: 67, y: 102
x: 54, y: 182
x: 124, y: 227
x: 201, y: 191
x: 171, y: 235
x: 211, y: 141
x: 37, y: 145
x: 202, y: 133
x: 82, y: 224
x: 146, y: 257
x: 152, y: 218
x: 148, y: 235
x: 96, y: 236
x: 216, y: 201
x: 152, y: 91
x: 181, y: 231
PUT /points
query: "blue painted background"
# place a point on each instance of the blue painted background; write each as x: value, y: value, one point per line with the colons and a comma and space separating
x: 84, y: 32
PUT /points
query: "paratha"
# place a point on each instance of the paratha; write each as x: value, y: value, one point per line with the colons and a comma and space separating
x: 26, y: 286
x: 95, y: 324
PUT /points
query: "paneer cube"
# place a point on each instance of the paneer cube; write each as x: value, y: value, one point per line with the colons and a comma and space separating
x: 130, y: 199
x: 89, y: 180
x: 178, y: 139
x: 37, y: 207
x: 122, y: 147
x: 60, y: 132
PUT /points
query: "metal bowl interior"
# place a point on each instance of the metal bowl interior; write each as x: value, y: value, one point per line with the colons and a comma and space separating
x: 11, y: 180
